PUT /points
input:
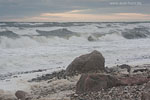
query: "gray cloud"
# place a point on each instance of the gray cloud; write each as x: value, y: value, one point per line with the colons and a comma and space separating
x: 21, y: 8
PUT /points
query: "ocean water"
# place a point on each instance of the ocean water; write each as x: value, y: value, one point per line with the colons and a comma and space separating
x: 33, y: 46
x: 30, y: 46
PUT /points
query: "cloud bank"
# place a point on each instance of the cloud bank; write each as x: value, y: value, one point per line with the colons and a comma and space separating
x: 74, y: 10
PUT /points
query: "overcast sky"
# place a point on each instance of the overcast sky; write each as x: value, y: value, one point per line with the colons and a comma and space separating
x: 74, y: 10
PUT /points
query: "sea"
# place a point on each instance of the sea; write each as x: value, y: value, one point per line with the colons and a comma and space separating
x: 28, y: 46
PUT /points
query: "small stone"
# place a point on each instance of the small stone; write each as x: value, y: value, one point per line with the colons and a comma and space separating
x: 22, y: 95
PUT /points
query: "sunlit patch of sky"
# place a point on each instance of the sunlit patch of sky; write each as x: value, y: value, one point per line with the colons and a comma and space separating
x: 74, y: 10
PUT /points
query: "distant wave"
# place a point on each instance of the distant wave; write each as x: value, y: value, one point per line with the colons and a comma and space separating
x: 21, y: 42
x: 59, y: 33
x: 40, y: 24
x: 33, y: 34
x: 9, y: 34
x: 136, y: 33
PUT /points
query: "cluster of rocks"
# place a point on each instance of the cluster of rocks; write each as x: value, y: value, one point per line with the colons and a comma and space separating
x: 98, y: 82
x: 58, y: 75
x: 17, y: 74
x: 135, y: 92
x: 95, y: 82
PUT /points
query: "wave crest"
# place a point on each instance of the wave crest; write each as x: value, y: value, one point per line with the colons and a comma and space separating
x: 136, y: 33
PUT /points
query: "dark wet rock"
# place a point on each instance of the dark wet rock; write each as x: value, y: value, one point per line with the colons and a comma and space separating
x: 140, y: 70
x: 91, y: 38
x: 33, y: 71
x: 22, y: 95
x: 92, y: 62
x: 16, y: 74
x: 58, y: 75
x: 6, y: 76
x: 96, y: 82
x: 145, y: 96
x: 124, y: 66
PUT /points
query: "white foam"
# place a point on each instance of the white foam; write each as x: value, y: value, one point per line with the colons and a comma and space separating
x: 112, y: 37
x: 21, y: 42
x: 26, y: 23
x: 2, y: 23
x: 26, y: 53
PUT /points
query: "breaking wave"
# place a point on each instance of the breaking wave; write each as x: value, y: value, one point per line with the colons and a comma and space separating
x: 21, y: 42
x: 136, y: 33
x: 14, y: 35
x: 9, y: 34
x: 59, y: 33
x: 40, y: 24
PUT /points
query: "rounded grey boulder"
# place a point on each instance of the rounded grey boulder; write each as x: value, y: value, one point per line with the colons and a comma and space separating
x: 22, y: 95
x: 92, y: 62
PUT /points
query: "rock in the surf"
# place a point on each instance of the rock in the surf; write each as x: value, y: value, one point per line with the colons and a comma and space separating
x: 91, y: 38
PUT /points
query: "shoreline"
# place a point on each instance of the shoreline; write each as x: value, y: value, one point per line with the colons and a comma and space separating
x: 19, y: 80
x: 55, y: 87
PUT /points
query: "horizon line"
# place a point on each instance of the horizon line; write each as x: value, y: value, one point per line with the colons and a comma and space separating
x: 71, y: 21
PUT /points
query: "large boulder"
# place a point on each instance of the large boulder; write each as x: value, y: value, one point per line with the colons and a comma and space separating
x: 96, y: 82
x: 92, y: 62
